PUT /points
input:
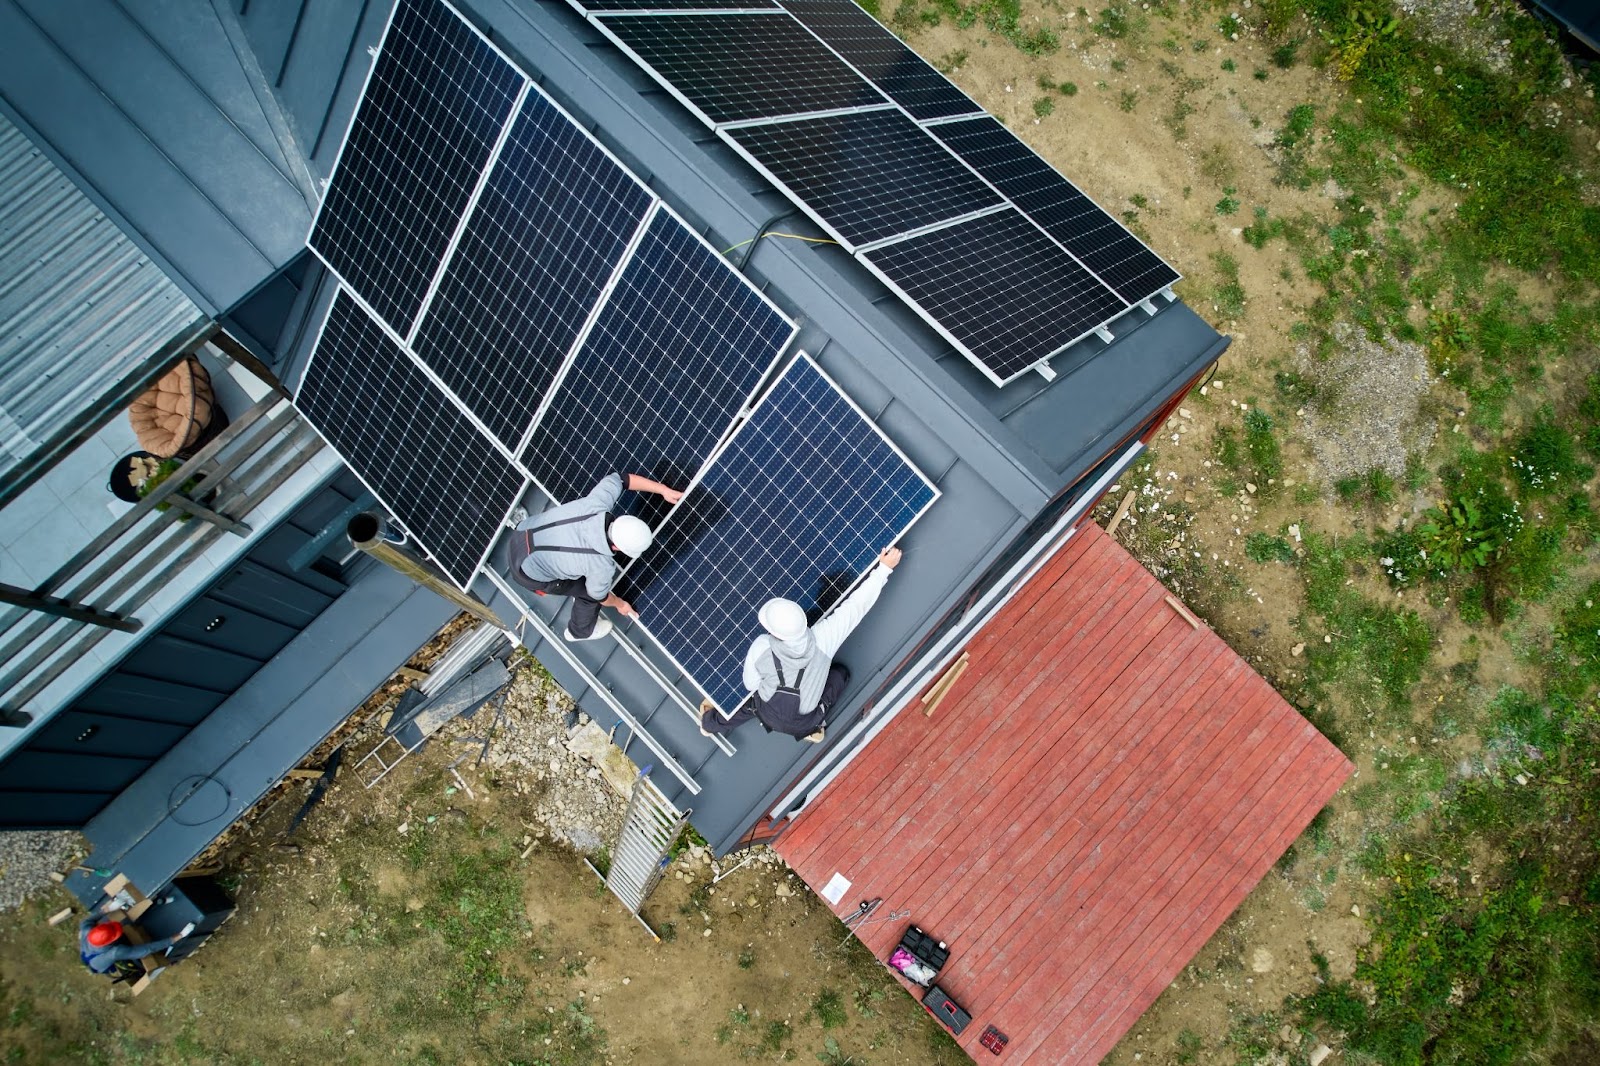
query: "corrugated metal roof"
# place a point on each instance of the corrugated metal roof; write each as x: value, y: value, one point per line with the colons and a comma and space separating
x: 81, y: 307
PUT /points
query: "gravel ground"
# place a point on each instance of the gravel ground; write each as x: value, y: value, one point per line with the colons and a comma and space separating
x: 1470, y: 28
x: 1365, y: 413
x: 573, y: 802
x: 29, y: 857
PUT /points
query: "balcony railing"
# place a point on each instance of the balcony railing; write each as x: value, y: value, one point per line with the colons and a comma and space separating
x: 102, y: 588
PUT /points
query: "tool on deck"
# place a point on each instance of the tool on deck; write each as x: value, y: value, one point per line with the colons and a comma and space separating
x: 864, y: 916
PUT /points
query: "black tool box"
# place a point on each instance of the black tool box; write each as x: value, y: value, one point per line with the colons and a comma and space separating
x: 947, y: 1010
x: 926, y: 949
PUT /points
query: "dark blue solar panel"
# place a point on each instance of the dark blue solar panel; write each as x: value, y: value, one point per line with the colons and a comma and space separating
x: 1097, y: 239
x: 867, y: 175
x: 1000, y: 288
x: 798, y: 504
x: 432, y: 468
x: 433, y: 109
x: 590, y: 7
x: 548, y: 230
x: 882, y: 58
x: 682, y: 342
x: 736, y: 67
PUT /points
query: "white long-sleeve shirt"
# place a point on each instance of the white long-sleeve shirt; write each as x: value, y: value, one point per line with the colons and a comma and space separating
x: 813, y: 650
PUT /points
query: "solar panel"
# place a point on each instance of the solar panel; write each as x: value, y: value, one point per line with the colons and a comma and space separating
x: 597, y: 6
x: 866, y: 175
x: 882, y: 58
x: 549, y: 229
x: 731, y: 68
x: 434, y: 106
x: 1100, y: 241
x: 679, y: 347
x: 998, y: 288
x: 798, y: 504
x: 432, y: 468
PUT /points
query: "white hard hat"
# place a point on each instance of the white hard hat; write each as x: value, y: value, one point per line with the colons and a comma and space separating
x: 630, y: 535
x: 783, y: 619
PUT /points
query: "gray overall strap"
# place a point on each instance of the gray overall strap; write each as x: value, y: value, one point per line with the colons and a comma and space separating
x: 778, y: 666
x: 532, y: 547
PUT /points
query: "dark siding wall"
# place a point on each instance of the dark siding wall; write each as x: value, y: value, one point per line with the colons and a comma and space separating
x: 81, y: 758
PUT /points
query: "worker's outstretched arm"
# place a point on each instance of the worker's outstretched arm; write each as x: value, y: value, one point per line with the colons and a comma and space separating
x: 833, y: 630
x: 640, y: 483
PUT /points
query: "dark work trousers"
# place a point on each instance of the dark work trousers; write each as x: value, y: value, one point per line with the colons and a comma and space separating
x: 803, y: 725
x: 585, y: 611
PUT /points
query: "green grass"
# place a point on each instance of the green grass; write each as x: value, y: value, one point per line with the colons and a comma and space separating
x: 1377, y: 651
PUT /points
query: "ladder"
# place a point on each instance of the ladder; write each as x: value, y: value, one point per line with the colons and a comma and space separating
x: 644, y: 846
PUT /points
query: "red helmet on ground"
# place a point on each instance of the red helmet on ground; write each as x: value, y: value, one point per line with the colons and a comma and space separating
x: 104, y: 934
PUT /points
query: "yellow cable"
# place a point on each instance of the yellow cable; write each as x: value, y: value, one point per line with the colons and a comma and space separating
x: 791, y: 236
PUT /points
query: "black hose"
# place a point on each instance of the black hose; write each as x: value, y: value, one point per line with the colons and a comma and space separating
x: 750, y: 248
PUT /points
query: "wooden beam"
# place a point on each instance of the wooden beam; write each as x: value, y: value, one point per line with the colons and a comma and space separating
x: 942, y: 687
x: 1183, y: 612
x: 1122, y: 512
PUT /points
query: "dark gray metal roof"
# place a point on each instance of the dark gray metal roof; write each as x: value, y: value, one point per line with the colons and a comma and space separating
x: 204, y: 181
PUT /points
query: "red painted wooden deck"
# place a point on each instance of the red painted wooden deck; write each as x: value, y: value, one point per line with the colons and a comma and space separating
x: 1097, y: 793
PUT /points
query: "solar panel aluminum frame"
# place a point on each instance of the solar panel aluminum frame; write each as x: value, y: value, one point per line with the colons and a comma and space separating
x: 350, y: 125
x: 1165, y: 290
x: 603, y: 9
x: 1040, y: 365
x: 725, y: 134
x: 727, y: 442
x: 476, y: 424
x: 661, y: 207
x: 598, y: 22
x: 921, y: 122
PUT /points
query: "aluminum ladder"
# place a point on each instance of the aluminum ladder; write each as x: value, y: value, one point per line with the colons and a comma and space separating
x: 644, y: 846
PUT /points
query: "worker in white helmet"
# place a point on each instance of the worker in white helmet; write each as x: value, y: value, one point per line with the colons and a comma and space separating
x: 567, y: 551
x: 789, y: 669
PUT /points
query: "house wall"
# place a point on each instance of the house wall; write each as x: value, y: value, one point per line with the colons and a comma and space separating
x: 70, y: 768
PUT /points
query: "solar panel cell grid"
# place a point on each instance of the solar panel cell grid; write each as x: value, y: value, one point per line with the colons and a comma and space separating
x: 681, y: 344
x: 548, y: 231
x: 798, y: 504
x: 882, y: 58
x: 1097, y: 239
x: 433, y: 110
x: 1000, y: 288
x: 597, y: 6
x: 868, y: 175
x: 732, y: 68
x: 423, y: 457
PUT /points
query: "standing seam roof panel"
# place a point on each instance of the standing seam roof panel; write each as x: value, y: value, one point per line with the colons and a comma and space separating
x: 80, y: 306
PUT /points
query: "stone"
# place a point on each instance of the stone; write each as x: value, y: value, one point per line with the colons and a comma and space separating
x: 1318, y: 1053
x: 1261, y: 961
x: 1298, y: 650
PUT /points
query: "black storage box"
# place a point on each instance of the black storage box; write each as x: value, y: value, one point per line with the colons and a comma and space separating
x: 925, y: 948
x: 947, y: 1010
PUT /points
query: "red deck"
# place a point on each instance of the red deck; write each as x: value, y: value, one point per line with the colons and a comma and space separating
x: 1097, y: 793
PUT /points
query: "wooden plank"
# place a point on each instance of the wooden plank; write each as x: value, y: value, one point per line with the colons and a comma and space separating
x: 1122, y: 512
x: 60, y: 916
x: 941, y: 690
x: 1187, y: 615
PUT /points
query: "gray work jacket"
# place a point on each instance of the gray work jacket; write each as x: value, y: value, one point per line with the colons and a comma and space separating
x: 596, y: 566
